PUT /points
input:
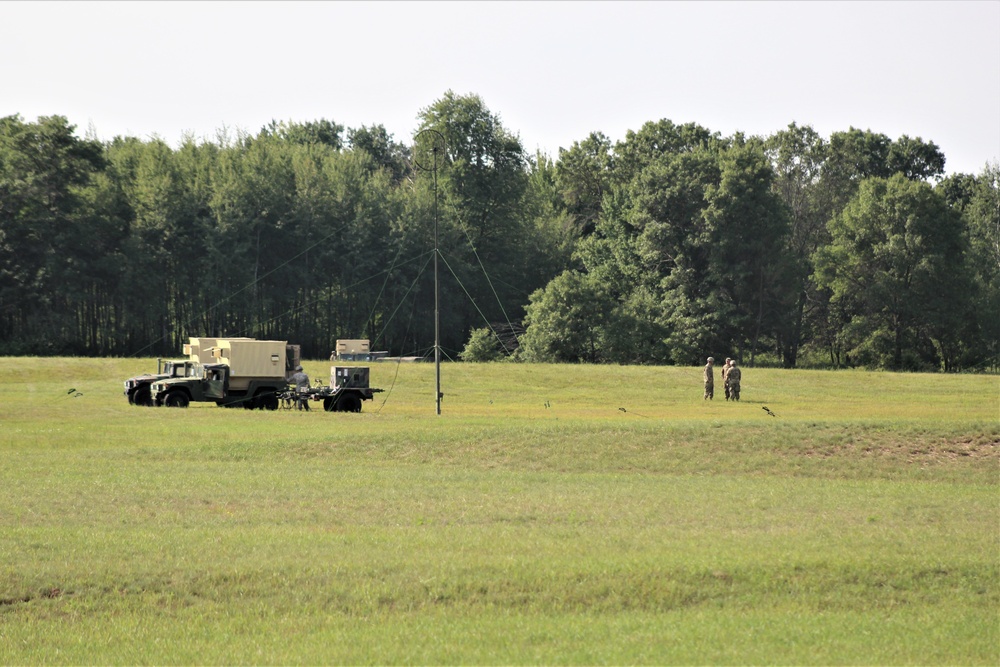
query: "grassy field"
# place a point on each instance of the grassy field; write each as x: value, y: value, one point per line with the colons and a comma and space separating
x: 550, y: 515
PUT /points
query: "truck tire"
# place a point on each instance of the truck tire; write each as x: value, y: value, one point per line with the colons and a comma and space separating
x: 176, y: 399
x: 266, y: 399
x: 348, y: 403
x: 141, y: 396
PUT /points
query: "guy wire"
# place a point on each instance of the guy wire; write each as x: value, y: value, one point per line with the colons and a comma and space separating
x: 462, y: 285
x: 468, y: 238
x: 409, y: 324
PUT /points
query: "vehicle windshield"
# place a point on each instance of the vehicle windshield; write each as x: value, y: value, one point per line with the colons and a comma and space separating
x: 181, y: 369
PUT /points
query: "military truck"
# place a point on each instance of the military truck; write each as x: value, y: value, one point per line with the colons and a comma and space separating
x: 137, y: 388
x: 244, y: 372
x: 198, y: 351
x: 349, y: 386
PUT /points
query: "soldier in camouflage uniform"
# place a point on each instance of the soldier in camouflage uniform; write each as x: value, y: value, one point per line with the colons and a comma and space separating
x: 733, y: 382
x: 725, y: 372
x: 709, y: 379
x: 301, y: 381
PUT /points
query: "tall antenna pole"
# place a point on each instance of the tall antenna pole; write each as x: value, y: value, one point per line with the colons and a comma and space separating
x: 437, y: 304
x: 430, y: 163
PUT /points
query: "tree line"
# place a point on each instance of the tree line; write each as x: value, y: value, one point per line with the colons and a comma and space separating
x: 674, y: 243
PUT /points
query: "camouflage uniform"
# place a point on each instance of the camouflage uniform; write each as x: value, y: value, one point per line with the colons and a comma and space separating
x: 733, y: 382
x: 301, y: 381
x: 709, y: 380
x: 725, y: 372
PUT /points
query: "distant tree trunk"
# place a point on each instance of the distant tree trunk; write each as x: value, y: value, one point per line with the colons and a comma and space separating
x: 760, y: 316
x: 791, y: 352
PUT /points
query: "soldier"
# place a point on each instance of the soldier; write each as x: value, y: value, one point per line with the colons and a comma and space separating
x: 709, y: 379
x: 301, y: 381
x: 733, y: 382
x: 725, y: 372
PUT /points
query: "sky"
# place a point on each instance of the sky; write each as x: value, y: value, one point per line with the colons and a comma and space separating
x: 553, y: 72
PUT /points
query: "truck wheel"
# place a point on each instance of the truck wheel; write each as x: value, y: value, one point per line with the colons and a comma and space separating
x: 329, y: 404
x: 349, y: 403
x: 141, y: 396
x: 266, y: 400
x: 176, y: 399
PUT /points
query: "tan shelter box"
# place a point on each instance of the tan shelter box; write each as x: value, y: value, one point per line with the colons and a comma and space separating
x: 352, y: 346
x: 351, y: 349
x: 200, y: 349
x: 252, y: 358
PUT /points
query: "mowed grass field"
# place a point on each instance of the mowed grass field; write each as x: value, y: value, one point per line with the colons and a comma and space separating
x: 552, y: 514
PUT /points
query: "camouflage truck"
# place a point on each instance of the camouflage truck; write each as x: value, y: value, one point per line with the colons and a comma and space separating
x: 244, y: 372
x: 198, y: 351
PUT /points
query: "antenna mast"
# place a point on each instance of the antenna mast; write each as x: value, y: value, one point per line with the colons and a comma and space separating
x: 428, y: 161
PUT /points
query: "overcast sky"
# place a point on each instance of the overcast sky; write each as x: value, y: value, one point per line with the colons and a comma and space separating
x: 552, y: 71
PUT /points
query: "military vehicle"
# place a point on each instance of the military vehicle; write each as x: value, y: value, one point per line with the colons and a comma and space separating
x: 198, y: 351
x: 137, y: 388
x: 244, y: 372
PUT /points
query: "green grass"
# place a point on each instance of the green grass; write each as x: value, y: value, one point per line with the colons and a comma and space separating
x: 551, y: 514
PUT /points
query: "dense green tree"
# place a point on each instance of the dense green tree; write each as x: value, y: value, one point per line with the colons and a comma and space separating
x: 483, y: 173
x: 482, y: 346
x: 673, y: 242
x: 584, y: 173
x: 323, y: 131
x: 856, y: 155
x: 748, y: 227
x: 47, y: 231
x: 983, y: 220
x: 493, y: 248
x: 658, y: 139
x: 568, y: 320
x: 816, y: 178
x: 252, y: 202
x: 556, y: 231
x: 896, y: 266
x: 691, y: 249
x: 915, y: 159
x: 669, y: 245
x: 978, y: 199
x: 367, y: 209
x: 384, y: 151
x: 797, y: 156
x: 196, y: 166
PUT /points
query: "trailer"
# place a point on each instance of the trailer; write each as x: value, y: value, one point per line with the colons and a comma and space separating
x: 349, y: 387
